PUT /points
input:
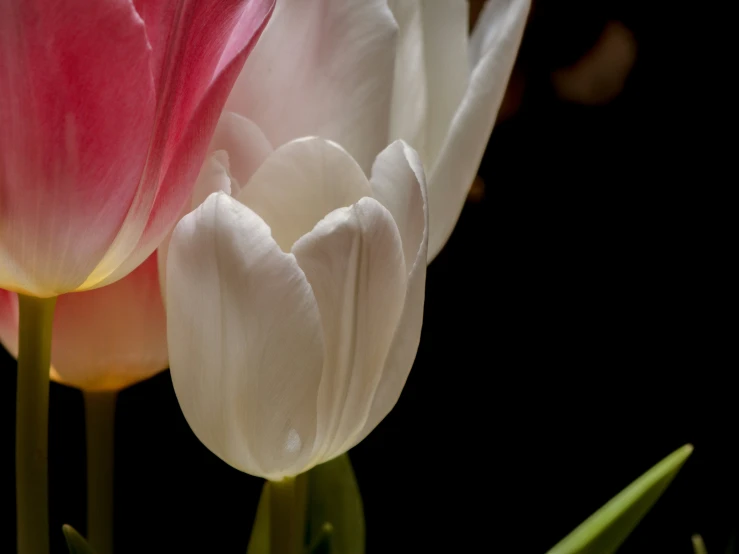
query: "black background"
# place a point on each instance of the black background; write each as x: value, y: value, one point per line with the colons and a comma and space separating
x: 577, y: 330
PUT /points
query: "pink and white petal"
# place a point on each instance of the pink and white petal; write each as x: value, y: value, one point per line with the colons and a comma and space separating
x: 452, y: 174
x: 353, y: 259
x: 245, y: 144
x: 445, y: 24
x: 77, y: 105
x: 399, y: 184
x: 140, y: 237
x: 323, y: 68
x: 408, y: 204
x: 112, y: 337
x: 245, y: 340
x: 300, y: 183
x: 409, y: 104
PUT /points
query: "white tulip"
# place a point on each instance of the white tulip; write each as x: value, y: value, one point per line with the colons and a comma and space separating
x: 295, y: 301
x: 364, y: 73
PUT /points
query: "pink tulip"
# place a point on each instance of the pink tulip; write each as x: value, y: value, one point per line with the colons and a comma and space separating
x: 106, y: 111
x: 103, y: 339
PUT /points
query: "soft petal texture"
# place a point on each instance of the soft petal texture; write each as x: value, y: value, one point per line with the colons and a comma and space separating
x: 214, y: 177
x: 325, y: 68
x: 245, y: 340
x: 353, y: 260
x: 73, y: 141
x: 409, y: 103
x: 399, y: 183
x: 245, y: 144
x: 300, y: 183
x: 452, y: 172
x: 105, y: 118
x: 104, y: 339
x: 206, y: 23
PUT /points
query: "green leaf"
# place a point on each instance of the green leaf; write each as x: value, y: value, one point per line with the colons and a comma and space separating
x: 334, y: 514
x: 698, y: 545
x: 606, y: 529
x: 75, y: 542
x: 259, y: 540
x: 333, y: 497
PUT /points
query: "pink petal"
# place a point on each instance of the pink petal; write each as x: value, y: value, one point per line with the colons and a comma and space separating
x: 181, y: 139
x: 77, y: 105
x: 104, y: 339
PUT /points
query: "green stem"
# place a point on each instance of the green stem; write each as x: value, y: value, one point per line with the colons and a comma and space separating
x: 287, y: 515
x: 100, y: 424
x: 32, y: 423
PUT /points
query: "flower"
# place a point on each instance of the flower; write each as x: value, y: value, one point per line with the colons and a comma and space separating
x: 102, y: 339
x: 366, y: 72
x: 106, y: 109
x: 295, y: 302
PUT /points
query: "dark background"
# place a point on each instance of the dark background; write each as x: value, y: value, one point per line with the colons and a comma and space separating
x: 576, y: 332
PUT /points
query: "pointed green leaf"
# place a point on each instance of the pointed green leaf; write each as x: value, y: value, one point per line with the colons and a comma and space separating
x: 606, y: 529
x: 259, y: 540
x: 75, y: 542
x: 333, y: 497
x: 699, y: 546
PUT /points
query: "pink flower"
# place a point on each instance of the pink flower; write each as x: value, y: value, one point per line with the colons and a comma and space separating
x: 103, y: 339
x: 106, y: 111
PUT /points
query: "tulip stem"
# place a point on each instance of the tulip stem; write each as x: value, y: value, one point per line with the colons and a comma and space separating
x: 287, y: 515
x: 32, y: 423
x: 100, y: 424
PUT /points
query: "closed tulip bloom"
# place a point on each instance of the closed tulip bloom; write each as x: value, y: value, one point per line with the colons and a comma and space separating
x: 106, y: 110
x: 295, y: 302
x: 364, y: 73
x: 104, y: 339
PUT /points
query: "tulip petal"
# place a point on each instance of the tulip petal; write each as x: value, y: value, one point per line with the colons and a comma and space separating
x: 459, y: 158
x: 409, y: 103
x: 9, y: 321
x: 353, y: 259
x: 445, y: 24
x: 300, y: 183
x: 245, y: 143
x: 245, y: 341
x: 112, y: 337
x: 104, y: 339
x: 214, y: 177
x: 73, y: 141
x: 325, y: 68
x: 398, y: 182
x: 149, y: 224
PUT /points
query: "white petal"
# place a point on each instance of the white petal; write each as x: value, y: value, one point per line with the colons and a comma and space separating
x: 325, y: 68
x: 213, y: 177
x: 245, y: 343
x: 409, y: 105
x: 445, y: 24
x: 245, y: 144
x: 300, y: 183
x: 452, y: 174
x: 397, y: 180
x: 398, y: 183
x: 353, y: 259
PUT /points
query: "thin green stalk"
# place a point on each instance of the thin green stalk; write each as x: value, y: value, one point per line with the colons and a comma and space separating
x: 32, y: 423
x: 100, y: 425
x: 287, y: 515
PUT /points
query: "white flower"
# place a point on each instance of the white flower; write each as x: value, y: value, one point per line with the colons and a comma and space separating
x: 295, y: 303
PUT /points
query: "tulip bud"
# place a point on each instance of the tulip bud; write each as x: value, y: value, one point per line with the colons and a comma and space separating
x: 294, y: 307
